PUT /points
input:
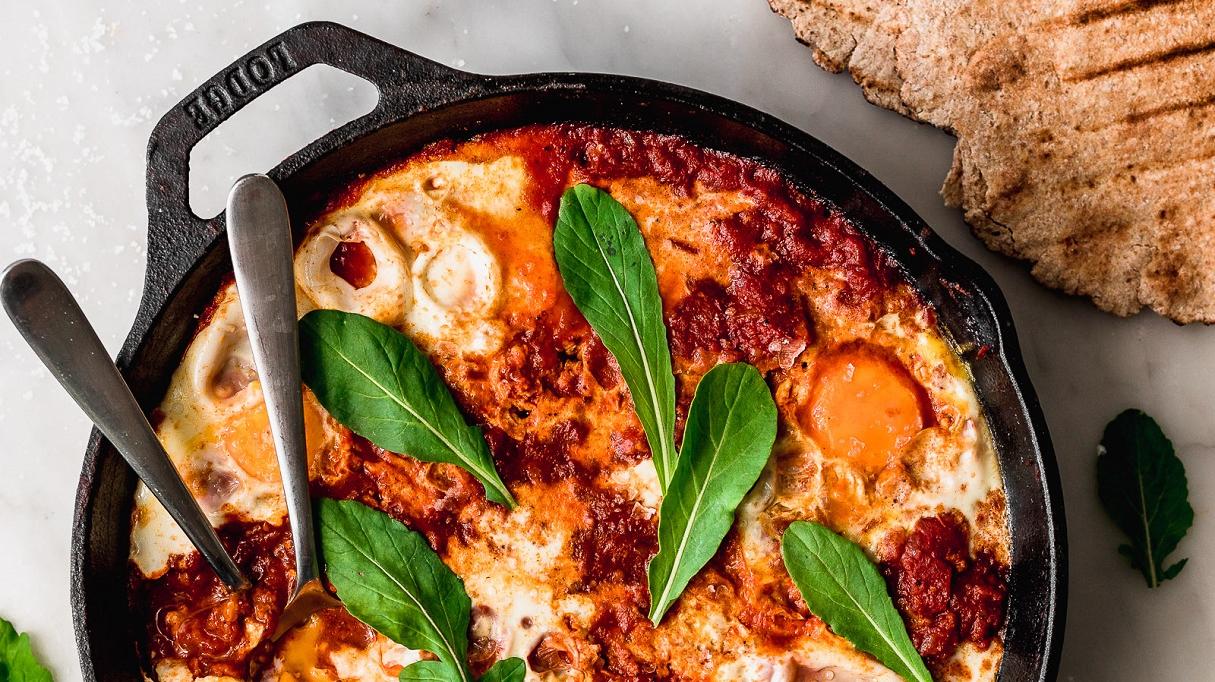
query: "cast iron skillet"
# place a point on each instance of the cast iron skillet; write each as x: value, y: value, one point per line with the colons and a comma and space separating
x: 421, y: 101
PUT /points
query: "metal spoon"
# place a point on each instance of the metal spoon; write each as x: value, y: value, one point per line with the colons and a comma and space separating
x: 54, y: 326
x: 259, y: 237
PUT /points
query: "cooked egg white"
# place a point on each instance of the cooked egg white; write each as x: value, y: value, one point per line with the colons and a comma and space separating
x: 439, y: 211
x: 509, y: 587
x: 457, y: 284
x: 389, y: 295
x: 435, y: 275
x: 210, y: 429
x: 639, y: 483
x: 216, y: 432
x: 155, y: 536
x: 814, y: 665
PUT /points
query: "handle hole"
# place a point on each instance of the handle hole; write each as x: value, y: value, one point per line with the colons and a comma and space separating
x: 280, y: 122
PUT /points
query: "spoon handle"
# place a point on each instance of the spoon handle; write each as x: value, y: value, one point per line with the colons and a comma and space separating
x: 54, y: 326
x: 259, y: 237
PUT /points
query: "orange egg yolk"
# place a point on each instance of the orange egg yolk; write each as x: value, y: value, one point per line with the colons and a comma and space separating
x: 306, y: 652
x: 864, y: 408
x: 248, y: 441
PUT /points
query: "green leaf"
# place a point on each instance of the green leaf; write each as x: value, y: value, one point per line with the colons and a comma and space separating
x: 729, y: 435
x: 374, y: 380
x: 608, y: 272
x: 843, y: 588
x: 731, y: 425
x: 430, y: 671
x: 17, y: 661
x: 1142, y: 485
x: 506, y: 670
x: 389, y: 578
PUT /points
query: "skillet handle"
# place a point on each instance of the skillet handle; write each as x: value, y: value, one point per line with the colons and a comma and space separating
x: 407, y: 84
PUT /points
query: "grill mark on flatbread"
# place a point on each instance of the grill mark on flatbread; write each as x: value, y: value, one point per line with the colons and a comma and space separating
x: 1099, y: 13
x: 1153, y: 59
x: 1170, y: 108
x: 1138, y: 148
x: 1143, y: 93
x: 1148, y: 38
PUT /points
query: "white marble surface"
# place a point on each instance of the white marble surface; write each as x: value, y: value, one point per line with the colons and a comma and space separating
x: 82, y: 83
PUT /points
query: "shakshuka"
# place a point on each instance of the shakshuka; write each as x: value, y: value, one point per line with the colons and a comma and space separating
x: 880, y: 437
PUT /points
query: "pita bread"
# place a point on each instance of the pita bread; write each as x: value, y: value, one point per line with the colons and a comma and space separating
x: 1086, y: 129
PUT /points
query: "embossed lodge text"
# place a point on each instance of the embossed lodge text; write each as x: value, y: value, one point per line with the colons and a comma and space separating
x: 219, y: 98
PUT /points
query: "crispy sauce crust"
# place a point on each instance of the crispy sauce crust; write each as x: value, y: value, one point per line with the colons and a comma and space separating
x: 557, y: 417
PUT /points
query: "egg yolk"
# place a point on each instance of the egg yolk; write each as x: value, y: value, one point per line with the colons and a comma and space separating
x: 864, y: 408
x: 301, y: 654
x: 247, y: 439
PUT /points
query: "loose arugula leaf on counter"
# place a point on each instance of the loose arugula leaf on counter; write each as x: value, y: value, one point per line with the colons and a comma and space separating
x: 388, y: 577
x: 843, y: 588
x: 1142, y: 485
x: 608, y: 272
x: 374, y: 380
x: 729, y: 435
x: 17, y: 660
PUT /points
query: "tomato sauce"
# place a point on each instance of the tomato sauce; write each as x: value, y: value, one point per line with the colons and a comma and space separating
x: 353, y: 262
x: 622, y: 633
x: 946, y: 595
x: 438, y: 500
x: 544, y: 355
x: 192, y: 615
x: 775, y: 617
x: 539, y: 458
x: 616, y: 543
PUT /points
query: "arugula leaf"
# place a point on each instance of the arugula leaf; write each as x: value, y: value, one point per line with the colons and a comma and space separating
x: 1142, y: 485
x: 843, y: 588
x: 374, y: 380
x: 608, y: 272
x: 17, y: 660
x: 506, y: 670
x: 389, y: 578
x: 430, y: 671
x: 729, y: 435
